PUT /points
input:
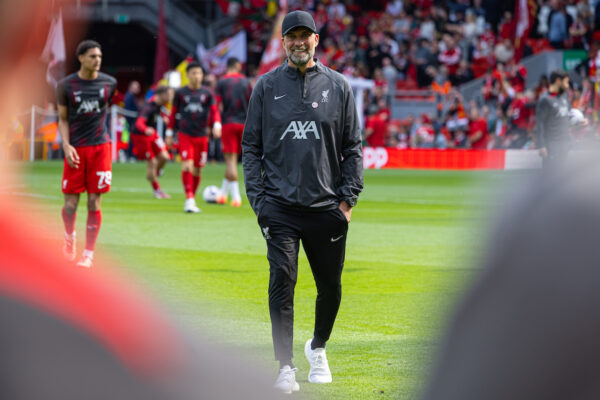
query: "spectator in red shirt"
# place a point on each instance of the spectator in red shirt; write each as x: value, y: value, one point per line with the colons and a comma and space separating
x: 320, y: 16
x: 506, y: 28
x: 424, y: 134
x: 478, y: 136
x: 376, y: 126
x: 519, y: 111
x: 451, y: 56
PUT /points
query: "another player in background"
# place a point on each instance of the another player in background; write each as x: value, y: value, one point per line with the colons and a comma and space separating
x: 83, y: 98
x: 552, y: 120
x: 233, y: 92
x: 147, y: 144
x: 194, y: 111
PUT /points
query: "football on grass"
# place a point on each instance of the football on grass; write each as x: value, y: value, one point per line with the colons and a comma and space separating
x: 210, y: 194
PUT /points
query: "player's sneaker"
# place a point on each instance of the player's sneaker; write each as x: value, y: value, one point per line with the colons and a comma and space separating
x: 286, y: 381
x: 319, y: 368
x: 190, y: 206
x: 221, y: 199
x: 70, y: 247
x: 159, y: 194
x: 236, y: 203
x: 85, y: 262
x: 87, y: 259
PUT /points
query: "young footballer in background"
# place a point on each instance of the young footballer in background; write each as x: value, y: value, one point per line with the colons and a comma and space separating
x: 83, y: 98
x: 147, y: 143
x: 194, y: 111
x: 233, y: 92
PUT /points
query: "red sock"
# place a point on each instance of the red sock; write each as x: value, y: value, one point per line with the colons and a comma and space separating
x: 69, y: 221
x: 188, y: 184
x: 197, y: 180
x: 155, y: 185
x: 94, y: 221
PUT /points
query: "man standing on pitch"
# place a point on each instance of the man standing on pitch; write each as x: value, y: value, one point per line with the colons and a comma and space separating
x: 552, y: 120
x: 233, y: 92
x: 147, y: 143
x: 302, y: 160
x: 83, y: 98
x: 194, y: 110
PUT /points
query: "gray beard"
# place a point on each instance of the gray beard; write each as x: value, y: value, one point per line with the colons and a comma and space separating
x: 300, y: 61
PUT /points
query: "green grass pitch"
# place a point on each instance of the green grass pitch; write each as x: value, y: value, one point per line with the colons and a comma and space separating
x: 412, y: 245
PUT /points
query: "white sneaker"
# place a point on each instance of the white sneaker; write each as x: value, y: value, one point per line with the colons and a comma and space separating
x: 319, y: 368
x: 159, y: 194
x: 70, y: 247
x: 86, y: 260
x: 286, y: 381
x: 190, y: 206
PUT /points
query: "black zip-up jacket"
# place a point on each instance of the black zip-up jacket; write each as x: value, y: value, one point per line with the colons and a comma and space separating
x: 552, y: 119
x: 302, y: 143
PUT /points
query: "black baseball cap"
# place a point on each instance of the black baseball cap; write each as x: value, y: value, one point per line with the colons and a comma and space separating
x: 296, y: 19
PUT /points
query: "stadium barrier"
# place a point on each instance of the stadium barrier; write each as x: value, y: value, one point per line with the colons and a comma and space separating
x: 116, y: 127
x: 31, y: 132
x: 392, y: 158
x: 36, y: 132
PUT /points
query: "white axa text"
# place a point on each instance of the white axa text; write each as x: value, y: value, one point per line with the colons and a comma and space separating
x: 300, y: 129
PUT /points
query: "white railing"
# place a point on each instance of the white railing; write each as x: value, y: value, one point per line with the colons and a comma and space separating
x: 114, y: 112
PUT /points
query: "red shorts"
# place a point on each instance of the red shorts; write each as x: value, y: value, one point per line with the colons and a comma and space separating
x: 94, y: 173
x: 232, y: 138
x: 193, y: 148
x: 147, y: 147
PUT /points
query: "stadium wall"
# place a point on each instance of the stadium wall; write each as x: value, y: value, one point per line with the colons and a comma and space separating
x: 392, y: 158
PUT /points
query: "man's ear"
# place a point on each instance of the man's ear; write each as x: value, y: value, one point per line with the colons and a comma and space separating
x: 316, y: 39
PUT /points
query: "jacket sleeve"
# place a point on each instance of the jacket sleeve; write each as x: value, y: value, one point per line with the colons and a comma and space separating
x: 541, y: 111
x: 252, y: 150
x: 352, y: 154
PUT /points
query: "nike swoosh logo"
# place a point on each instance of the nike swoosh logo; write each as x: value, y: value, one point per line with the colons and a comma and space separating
x: 278, y: 97
x: 337, y: 238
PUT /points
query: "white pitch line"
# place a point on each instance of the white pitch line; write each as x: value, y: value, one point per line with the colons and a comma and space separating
x: 35, y: 195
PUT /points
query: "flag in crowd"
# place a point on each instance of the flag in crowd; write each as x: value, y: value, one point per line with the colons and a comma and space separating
x: 161, y: 62
x: 54, y: 51
x: 215, y: 59
x: 524, y: 12
x: 274, y: 54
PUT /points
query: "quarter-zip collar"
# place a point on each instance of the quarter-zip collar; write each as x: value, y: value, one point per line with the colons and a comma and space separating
x: 294, y: 72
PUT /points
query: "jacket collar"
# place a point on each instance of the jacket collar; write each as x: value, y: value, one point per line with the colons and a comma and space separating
x: 293, y: 72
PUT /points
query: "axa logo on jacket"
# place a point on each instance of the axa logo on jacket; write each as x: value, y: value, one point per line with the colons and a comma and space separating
x: 88, y: 106
x: 193, y: 108
x: 300, y: 129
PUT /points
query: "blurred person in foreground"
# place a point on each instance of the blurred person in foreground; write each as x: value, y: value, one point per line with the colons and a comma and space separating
x: 83, y: 99
x: 303, y: 173
x: 233, y: 93
x: 528, y: 327
x: 194, y: 112
x: 147, y: 143
x: 67, y: 333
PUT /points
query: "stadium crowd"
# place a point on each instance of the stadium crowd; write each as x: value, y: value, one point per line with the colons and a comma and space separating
x: 429, y: 48
x: 425, y: 50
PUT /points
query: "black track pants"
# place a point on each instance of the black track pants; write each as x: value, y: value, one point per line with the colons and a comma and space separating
x: 557, y: 153
x: 323, y: 236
